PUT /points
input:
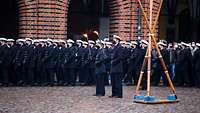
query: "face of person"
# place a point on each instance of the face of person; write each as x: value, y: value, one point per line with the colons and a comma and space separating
x: 28, y: 42
x: 115, y: 41
x: 193, y: 44
x: 133, y: 46
x: 2, y: 42
x: 69, y: 44
x: 85, y: 45
x: 36, y: 44
x: 10, y: 43
x: 91, y: 45
x: 176, y: 46
x: 79, y: 44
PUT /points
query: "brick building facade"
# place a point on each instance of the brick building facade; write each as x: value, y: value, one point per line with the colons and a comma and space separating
x: 48, y: 18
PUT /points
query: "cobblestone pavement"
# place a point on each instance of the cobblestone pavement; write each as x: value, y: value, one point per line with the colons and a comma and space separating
x: 80, y: 100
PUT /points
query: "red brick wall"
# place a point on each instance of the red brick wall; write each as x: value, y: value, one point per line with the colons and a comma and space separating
x: 43, y: 18
x: 48, y: 18
x: 124, y: 18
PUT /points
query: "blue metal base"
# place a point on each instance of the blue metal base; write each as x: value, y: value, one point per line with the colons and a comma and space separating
x: 149, y: 98
x: 171, y: 97
x: 138, y: 97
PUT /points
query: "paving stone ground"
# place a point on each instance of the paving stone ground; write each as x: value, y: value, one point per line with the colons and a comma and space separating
x: 79, y: 99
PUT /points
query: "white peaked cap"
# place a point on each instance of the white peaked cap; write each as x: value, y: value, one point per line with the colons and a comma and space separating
x: 10, y: 40
x: 144, y: 42
x: 117, y: 37
x: 70, y: 41
x: 91, y: 42
x: 79, y: 41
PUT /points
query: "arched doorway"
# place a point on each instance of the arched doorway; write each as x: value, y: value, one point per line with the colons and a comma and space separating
x: 9, y: 19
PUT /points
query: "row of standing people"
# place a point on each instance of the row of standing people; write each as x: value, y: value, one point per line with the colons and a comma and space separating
x: 59, y: 62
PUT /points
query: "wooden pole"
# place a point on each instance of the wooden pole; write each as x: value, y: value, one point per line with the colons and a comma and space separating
x: 141, y: 72
x: 150, y: 49
x: 152, y: 30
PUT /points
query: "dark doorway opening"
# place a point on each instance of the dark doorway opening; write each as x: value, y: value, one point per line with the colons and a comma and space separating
x: 9, y: 19
x: 84, y: 16
x: 184, y: 31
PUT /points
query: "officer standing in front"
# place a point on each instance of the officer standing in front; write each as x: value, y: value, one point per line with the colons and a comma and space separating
x: 100, y: 70
x: 116, y: 67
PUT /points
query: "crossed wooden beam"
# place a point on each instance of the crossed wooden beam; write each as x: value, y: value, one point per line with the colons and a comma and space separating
x: 152, y: 27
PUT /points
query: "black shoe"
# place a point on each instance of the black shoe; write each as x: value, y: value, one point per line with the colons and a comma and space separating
x: 98, y: 95
x: 117, y: 96
x: 111, y: 96
x: 65, y: 84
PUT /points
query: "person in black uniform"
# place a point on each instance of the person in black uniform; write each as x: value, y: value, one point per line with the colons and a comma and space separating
x: 10, y: 57
x: 85, y: 56
x: 131, y: 64
x: 196, y: 62
x: 4, y: 61
x: 59, y: 68
x: 28, y: 62
x: 100, y: 70
x: 49, y: 63
x: 183, y: 66
x: 91, y: 63
x: 70, y: 59
x: 117, y: 67
x: 39, y: 53
x: 157, y: 67
x: 17, y: 62
x: 2, y: 42
x: 108, y: 50
x: 78, y: 61
x: 126, y: 55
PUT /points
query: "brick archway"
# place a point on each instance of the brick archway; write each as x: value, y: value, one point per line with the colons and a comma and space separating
x: 48, y: 18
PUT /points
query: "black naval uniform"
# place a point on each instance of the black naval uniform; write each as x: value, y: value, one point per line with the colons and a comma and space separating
x: 61, y: 76
x: 39, y: 52
x: 83, y: 69
x: 130, y: 67
x: 5, y: 58
x: 117, y: 70
x: 196, y: 62
x: 183, y: 65
x: 49, y: 63
x: 100, y: 72
x: 107, y: 64
x: 126, y: 52
x: 28, y: 64
x: 91, y: 65
x: 73, y: 65
x: 17, y: 62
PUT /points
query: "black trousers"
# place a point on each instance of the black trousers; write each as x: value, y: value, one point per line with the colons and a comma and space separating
x: 72, y: 76
x: 18, y: 74
x: 28, y: 75
x: 106, y: 78
x: 60, y: 75
x: 157, y: 72
x: 38, y: 76
x: 116, y: 79
x: 92, y: 77
x: 100, y: 84
x: 130, y: 76
x: 5, y: 76
x: 47, y: 76
x: 197, y: 80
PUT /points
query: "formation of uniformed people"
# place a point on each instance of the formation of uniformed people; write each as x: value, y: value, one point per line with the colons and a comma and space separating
x: 47, y: 62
